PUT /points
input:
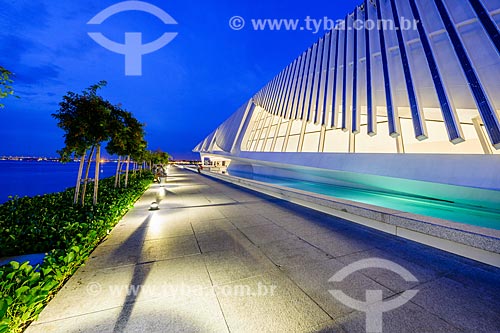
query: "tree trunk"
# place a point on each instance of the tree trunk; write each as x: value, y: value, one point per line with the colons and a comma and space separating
x: 126, y: 171
x: 96, y: 177
x: 82, y: 200
x: 118, y: 165
x: 79, y: 178
x: 120, y: 174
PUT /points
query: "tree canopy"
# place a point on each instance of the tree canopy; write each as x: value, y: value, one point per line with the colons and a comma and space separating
x: 84, y: 118
x: 160, y: 157
x: 126, y: 135
x: 5, y: 84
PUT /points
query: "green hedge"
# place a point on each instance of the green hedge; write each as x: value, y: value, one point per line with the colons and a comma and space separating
x: 67, y: 233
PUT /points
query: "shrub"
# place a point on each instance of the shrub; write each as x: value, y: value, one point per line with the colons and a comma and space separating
x: 67, y: 233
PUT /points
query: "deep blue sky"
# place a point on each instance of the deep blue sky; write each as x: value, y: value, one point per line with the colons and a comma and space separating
x: 187, y: 88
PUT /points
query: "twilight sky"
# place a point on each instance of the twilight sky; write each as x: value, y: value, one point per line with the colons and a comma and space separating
x: 187, y: 88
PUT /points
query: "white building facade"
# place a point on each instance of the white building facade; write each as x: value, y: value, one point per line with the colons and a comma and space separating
x: 403, y: 96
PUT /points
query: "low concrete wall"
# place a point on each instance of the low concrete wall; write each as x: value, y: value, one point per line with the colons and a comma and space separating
x: 458, y: 191
x: 473, y: 242
x: 479, y: 171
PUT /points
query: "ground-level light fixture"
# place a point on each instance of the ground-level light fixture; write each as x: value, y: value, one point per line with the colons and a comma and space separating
x: 154, y: 206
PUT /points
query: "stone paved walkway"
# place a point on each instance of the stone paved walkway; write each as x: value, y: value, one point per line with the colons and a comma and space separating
x: 216, y: 258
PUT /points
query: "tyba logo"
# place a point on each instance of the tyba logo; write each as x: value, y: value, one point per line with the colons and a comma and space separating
x: 133, y: 49
x: 373, y: 306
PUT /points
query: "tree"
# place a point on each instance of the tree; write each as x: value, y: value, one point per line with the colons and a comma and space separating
x: 160, y: 157
x: 85, y: 119
x: 148, y: 157
x: 135, y: 143
x: 117, y: 143
x: 5, y: 84
x: 127, y: 140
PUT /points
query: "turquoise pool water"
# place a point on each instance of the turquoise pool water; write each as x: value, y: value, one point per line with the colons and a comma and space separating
x: 472, y: 215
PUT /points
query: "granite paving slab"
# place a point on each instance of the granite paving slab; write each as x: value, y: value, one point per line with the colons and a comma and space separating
x: 196, y: 265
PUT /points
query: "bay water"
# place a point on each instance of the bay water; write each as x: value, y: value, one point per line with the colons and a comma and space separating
x: 30, y: 178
